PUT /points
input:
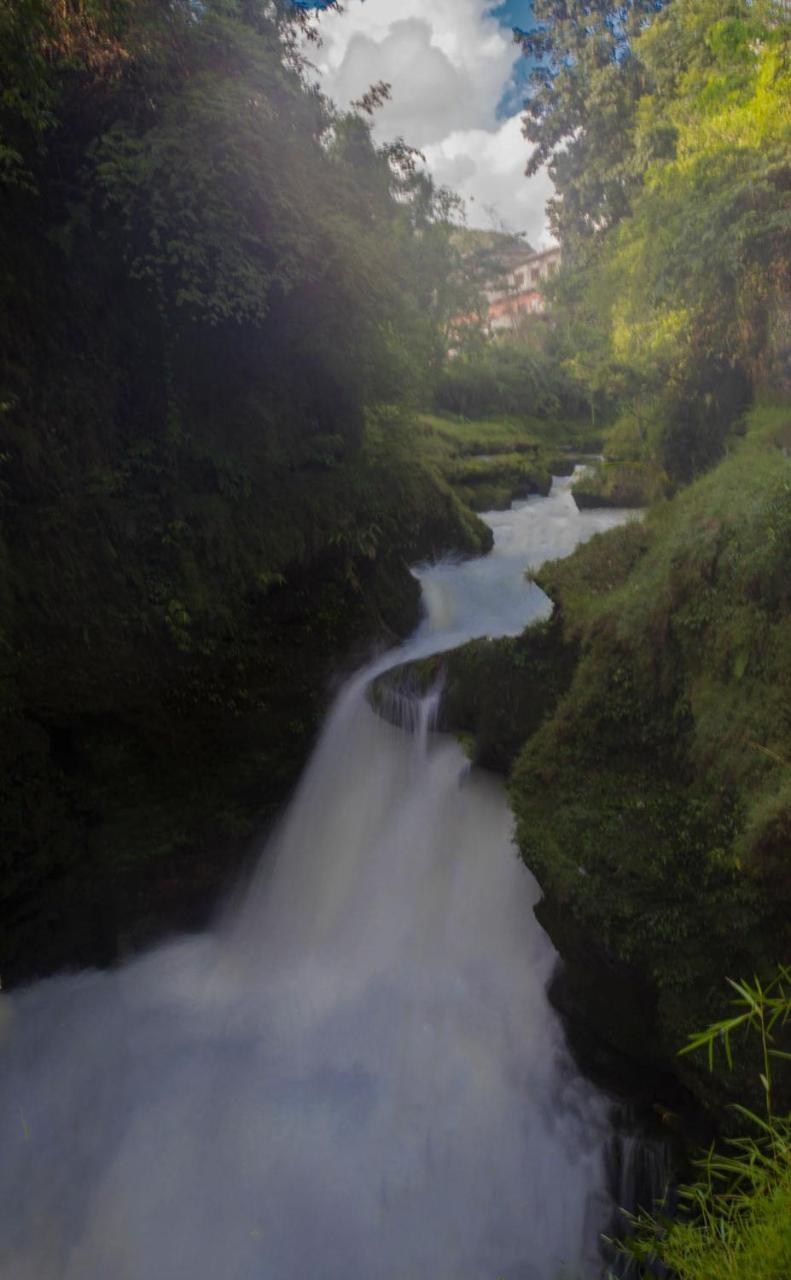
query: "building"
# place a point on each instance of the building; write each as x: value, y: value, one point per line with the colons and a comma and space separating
x: 518, y: 291
x: 512, y: 294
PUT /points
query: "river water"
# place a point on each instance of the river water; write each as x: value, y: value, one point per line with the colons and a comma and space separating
x: 356, y: 1075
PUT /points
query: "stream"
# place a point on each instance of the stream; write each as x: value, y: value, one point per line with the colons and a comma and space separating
x: 356, y: 1075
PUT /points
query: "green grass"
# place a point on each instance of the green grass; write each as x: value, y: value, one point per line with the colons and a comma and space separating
x: 756, y: 1247
x: 734, y: 1222
x: 620, y: 484
x: 489, y: 462
x: 505, y: 434
x: 661, y: 773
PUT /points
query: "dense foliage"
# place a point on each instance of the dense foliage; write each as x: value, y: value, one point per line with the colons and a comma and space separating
x: 652, y: 795
x: 646, y: 729
x: 734, y: 1221
x: 505, y: 377
x: 585, y: 82
x: 650, y: 768
x: 211, y: 284
x: 652, y: 803
x: 674, y: 210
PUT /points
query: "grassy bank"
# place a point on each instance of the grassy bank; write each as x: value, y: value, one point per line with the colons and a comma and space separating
x: 489, y: 462
x: 653, y: 804
x: 620, y: 484
x: 648, y: 731
x: 733, y: 1221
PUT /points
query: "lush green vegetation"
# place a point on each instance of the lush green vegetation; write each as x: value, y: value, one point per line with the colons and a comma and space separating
x: 647, y: 730
x: 219, y: 304
x: 620, y: 484
x: 486, y: 463
x: 628, y: 474
x: 653, y: 798
x: 734, y: 1222
x: 673, y: 211
x: 652, y: 802
x: 489, y: 462
x: 646, y: 727
x: 504, y: 377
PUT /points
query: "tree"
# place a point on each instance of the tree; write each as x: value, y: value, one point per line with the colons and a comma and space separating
x: 585, y: 84
x: 667, y: 129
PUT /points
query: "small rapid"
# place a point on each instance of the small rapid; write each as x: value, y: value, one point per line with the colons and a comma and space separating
x: 357, y: 1074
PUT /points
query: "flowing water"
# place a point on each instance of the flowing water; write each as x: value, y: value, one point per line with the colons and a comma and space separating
x: 357, y: 1074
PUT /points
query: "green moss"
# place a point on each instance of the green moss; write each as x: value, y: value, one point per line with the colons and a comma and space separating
x: 162, y: 679
x: 493, y: 692
x: 489, y: 462
x: 583, y: 585
x: 620, y: 484
x: 652, y: 793
x: 491, y: 483
x: 505, y: 434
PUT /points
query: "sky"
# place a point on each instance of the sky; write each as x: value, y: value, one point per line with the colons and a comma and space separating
x: 456, y: 79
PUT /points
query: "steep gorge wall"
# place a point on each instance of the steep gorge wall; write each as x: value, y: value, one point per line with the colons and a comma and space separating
x: 193, y: 538
x: 647, y: 731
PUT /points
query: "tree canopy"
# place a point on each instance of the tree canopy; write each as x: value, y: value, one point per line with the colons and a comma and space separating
x: 667, y: 130
x: 219, y: 298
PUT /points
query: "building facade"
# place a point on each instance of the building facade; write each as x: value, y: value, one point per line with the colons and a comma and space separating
x: 519, y: 291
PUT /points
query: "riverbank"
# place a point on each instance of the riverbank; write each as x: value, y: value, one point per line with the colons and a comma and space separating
x: 154, y: 726
x: 491, y: 462
x: 646, y: 732
x: 372, y: 1001
x: 146, y: 738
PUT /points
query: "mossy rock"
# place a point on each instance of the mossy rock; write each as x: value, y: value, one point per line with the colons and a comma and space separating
x: 650, y: 777
x: 492, y: 691
x: 162, y: 686
x: 620, y: 485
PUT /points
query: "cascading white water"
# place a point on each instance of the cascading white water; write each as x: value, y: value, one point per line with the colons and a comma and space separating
x: 642, y: 1175
x: 357, y: 1075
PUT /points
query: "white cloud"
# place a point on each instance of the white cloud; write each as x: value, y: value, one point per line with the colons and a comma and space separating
x: 441, y: 94
x: 487, y: 167
x: 448, y: 64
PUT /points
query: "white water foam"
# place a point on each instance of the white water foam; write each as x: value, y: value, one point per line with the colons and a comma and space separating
x: 357, y: 1074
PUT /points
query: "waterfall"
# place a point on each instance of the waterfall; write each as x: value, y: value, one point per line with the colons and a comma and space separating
x: 357, y: 1074
x: 642, y: 1164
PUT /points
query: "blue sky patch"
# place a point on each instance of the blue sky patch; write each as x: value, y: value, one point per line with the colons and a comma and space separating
x: 514, y: 13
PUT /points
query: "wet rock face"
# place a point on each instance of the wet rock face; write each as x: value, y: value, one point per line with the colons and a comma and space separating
x: 130, y: 803
x: 494, y: 693
x: 609, y: 1006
